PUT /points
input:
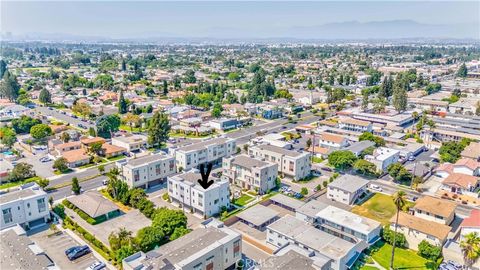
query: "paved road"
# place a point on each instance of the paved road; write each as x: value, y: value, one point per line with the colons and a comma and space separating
x: 63, y: 117
x: 64, y: 192
x: 390, y: 188
x: 80, y: 175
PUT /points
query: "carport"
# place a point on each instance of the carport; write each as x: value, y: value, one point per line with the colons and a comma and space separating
x: 258, y: 216
x: 287, y: 202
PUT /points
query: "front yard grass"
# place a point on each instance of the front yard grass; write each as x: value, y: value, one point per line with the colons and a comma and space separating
x: 379, y: 207
x: 18, y: 183
x: 244, y: 199
x: 404, y: 258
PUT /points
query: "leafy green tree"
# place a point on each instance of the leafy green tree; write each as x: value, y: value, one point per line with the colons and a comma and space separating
x: 304, y: 191
x: 368, y: 136
x: 429, y: 251
x: 165, y: 88
x: 180, y: 231
x: 190, y: 77
x: 149, y: 237
x: 60, y: 164
x: 45, y: 97
x: 451, y: 151
x: 7, y: 136
x: 3, y: 67
x: 21, y: 171
x: 40, y: 131
x: 462, y: 71
x: 122, y: 103
x: 43, y: 182
x: 399, y: 100
x: 217, y: 110
x: 365, y: 167
x: 168, y: 220
x: 158, y: 129
x: 65, y: 137
x: 107, y: 125
x: 76, y: 189
x: 433, y: 88
x: 82, y: 108
x: 341, y: 159
x: 9, y: 87
x: 124, y: 65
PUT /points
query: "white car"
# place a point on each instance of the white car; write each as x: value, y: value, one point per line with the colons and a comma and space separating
x: 96, y: 266
x: 376, y: 187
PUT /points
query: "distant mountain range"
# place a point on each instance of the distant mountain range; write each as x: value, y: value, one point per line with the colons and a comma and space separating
x: 351, y: 30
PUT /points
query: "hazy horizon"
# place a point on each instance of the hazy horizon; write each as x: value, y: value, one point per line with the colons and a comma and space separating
x: 230, y: 19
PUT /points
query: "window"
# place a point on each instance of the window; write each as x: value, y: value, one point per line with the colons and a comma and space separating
x: 236, y: 248
x: 157, y: 169
x: 209, y: 263
x: 198, y: 266
x: 41, y: 205
x: 7, y: 215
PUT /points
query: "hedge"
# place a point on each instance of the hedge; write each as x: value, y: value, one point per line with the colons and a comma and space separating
x: 82, y: 214
x: 97, y: 244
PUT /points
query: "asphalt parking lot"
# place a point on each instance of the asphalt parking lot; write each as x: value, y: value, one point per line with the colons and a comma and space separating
x: 55, y: 247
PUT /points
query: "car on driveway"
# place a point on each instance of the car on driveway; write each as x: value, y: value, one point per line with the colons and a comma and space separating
x: 376, y: 187
x: 45, y: 159
x: 77, y: 252
x: 96, y: 266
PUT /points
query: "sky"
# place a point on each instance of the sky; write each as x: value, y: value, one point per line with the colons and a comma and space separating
x: 132, y: 19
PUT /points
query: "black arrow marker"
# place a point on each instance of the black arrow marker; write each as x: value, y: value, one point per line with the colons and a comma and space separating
x: 204, y: 181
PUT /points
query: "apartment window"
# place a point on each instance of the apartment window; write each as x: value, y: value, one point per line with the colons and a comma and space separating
x: 209, y: 263
x: 41, y: 205
x: 28, y: 205
x: 7, y: 215
x: 171, y: 165
x: 136, y: 176
x: 290, y: 166
x: 236, y: 248
x: 198, y: 266
x: 157, y: 169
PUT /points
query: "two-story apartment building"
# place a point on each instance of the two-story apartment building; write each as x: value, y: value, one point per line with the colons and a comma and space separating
x: 382, y: 157
x: 147, y: 171
x: 330, y: 140
x: 291, y: 163
x: 347, y: 225
x: 131, y: 143
x: 208, y: 151
x: 434, y: 209
x: 184, y: 190
x: 27, y: 207
x: 346, y: 189
x: 355, y: 125
x: 213, y: 246
x: 250, y: 173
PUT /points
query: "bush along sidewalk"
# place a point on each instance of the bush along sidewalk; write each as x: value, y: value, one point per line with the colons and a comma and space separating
x: 82, y: 214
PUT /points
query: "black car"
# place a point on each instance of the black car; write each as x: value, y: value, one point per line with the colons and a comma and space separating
x: 77, y: 252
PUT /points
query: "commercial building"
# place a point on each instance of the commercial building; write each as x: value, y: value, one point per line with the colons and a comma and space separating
x: 346, y: 189
x: 294, y: 164
x: 348, y: 226
x: 147, y: 171
x: 27, y: 207
x: 213, y: 246
x: 250, y: 173
x: 208, y: 151
x: 184, y: 190
x: 291, y: 231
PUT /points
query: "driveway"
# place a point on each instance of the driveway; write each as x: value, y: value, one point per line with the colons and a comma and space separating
x: 55, y: 246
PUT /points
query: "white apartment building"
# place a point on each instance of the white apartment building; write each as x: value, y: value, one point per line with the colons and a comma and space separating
x: 27, y: 207
x: 147, y: 171
x: 346, y: 189
x: 208, y: 151
x: 330, y: 140
x: 184, y: 190
x: 294, y: 164
x: 213, y: 246
x: 355, y: 125
x: 131, y: 143
x: 250, y: 173
x: 382, y: 157
x: 348, y: 226
x: 289, y: 230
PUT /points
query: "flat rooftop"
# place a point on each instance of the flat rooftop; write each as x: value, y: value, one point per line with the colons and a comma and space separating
x: 30, y: 190
x: 203, y: 144
x: 258, y: 215
x: 249, y: 162
x: 286, y: 201
x: 311, y: 208
x: 147, y: 159
x: 348, y: 219
x: 279, y: 150
x: 348, y: 182
x: 326, y: 244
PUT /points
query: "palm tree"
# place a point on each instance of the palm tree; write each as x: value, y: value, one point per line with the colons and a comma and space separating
x: 470, y: 246
x: 399, y: 199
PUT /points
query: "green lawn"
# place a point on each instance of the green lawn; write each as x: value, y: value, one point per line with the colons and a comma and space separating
x: 404, y: 258
x: 380, y: 207
x: 317, y: 160
x: 243, y: 200
x: 116, y: 158
x: 18, y: 183
x: 127, y: 128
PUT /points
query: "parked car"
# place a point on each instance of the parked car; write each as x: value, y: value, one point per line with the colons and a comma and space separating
x: 45, y: 159
x: 326, y: 169
x: 411, y: 158
x: 96, y: 266
x: 376, y: 187
x: 77, y: 252
x: 105, y: 182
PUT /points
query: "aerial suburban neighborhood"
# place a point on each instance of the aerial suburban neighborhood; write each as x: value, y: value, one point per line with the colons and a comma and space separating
x: 268, y: 154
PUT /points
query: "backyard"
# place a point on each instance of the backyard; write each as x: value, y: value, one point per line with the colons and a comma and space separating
x: 244, y: 199
x: 404, y: 258
x: 379, y: 207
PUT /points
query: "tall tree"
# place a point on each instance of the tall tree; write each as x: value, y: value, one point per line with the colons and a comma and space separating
x: 45, y: 97
x: 107, y: 125
x: 462, y: 71
x: 158, y: 129
x: 399, y: 100
x: 470, y: 246
x: 165, y: 88
x: 399, y: 199
x: 122, y: 103
x: 3, y: 67
x: 76, y: 189
x: 9, y: 87
x: 124, y: 65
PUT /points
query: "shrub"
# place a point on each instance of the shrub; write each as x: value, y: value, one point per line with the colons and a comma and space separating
x: 429, y: 251
x: 388, y: 234
x: 59, y: 209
